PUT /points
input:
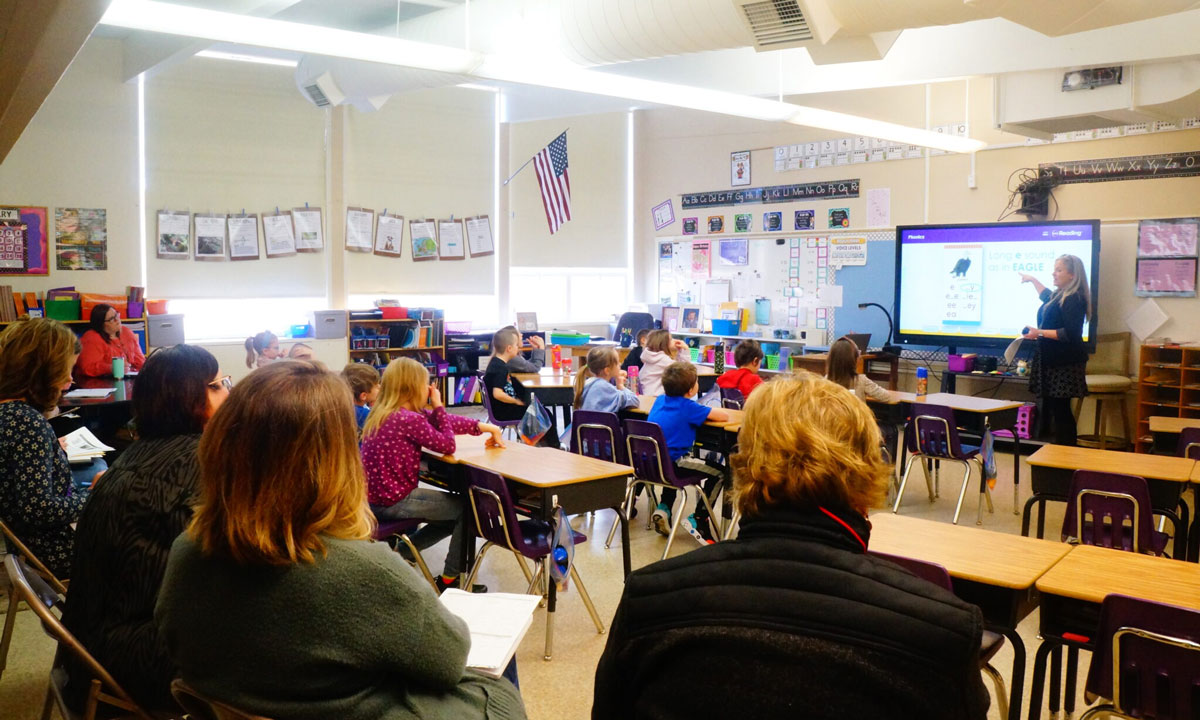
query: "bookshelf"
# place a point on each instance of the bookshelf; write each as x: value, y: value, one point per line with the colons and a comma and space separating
x: 79, y: 327
x: 378, y: 341
x: 1168, y: 386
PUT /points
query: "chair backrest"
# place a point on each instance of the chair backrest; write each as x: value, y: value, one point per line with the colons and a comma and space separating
x: 732, y: 398
x: 492, y: 506
x: 648, y: 453
x: 15, y: 545
x: 933, y: 432
x: 1119, y: 508
x: 1189, y: 444
x: 598, y: 435
x: 199, y: 707
x: 486, y: 394
x: 1147, y: 658
x: 629, y: 325
x: 42, y: 598
x: 932, y: 572
x: 1111, y: 356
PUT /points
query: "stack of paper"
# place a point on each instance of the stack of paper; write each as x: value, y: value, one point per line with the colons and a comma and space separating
x: 88, y: 393
x: 497, y: 621
x: 82, y: 446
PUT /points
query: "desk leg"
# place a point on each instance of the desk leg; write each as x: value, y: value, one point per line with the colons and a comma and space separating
x: 1017, y: 683
x: 1039, y: 678
x: 1016, y: 472
x: 566, y: 416
x: 624, y: 520
x: 551, y: 602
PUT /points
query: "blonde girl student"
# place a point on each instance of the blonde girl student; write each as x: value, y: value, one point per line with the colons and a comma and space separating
x: 601, y: 384
x: 841, y: 367
x: 408, y: 416
x: 661, y: 350
x: 262, y: 349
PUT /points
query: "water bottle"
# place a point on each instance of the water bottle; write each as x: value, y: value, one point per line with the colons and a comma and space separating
x: 922, y: 381
x: 633, y: 381
x: 556, y: 355
x: 719, y: 358
x: 785, y: 359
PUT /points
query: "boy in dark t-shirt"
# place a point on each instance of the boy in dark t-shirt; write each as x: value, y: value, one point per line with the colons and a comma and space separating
x: 508, y: 397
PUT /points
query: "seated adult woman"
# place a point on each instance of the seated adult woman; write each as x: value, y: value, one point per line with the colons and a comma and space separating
x: 38, y: 502
x: 276, y: 602
x: 124, y: 534
x: 105, y: 340
x: 794, y: 618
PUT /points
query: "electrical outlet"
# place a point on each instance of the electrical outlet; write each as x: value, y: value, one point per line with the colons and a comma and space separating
x: 1189, y: 123
x: 1108, y: 132
x: 1083, y: 134
x: 1137, y: 129
x: 1061, y: 137
x: 1163, y: 126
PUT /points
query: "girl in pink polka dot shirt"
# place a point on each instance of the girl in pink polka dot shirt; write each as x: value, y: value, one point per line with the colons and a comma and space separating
x: 407, y: 417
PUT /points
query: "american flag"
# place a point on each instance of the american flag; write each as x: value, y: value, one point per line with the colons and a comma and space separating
x: 551, y: 166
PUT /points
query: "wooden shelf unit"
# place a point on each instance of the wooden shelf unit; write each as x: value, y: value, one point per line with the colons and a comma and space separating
x: 1168, y: 386
x: 436, y: 349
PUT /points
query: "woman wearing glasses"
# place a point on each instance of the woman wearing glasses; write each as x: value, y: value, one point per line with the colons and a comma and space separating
x: 135, y: 512
x: 105, y: 340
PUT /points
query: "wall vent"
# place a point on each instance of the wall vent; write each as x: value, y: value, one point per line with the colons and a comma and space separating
x: 776, y: 23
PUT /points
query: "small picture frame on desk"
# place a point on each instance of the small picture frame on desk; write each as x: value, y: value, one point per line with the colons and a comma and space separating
x: 527, y: 322
x: 670, y: 318
x: 689, y: 318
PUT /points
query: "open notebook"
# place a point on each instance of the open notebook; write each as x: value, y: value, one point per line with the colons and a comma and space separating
x: 497, y: 621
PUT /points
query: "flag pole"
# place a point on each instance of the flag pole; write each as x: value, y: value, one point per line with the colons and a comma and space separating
x: 518, y: 172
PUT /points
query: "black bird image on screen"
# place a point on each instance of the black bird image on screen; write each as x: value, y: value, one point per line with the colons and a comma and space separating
x: 960, y: 267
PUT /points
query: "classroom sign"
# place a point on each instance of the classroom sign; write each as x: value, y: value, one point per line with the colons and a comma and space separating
x: 834, y: 189
x: 847, y: 251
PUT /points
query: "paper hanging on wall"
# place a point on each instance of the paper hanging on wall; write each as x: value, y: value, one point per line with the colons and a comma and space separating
x: 1166, y: 277
x: 715, y: 292
x: 278, y: 235
x: 664, y: 214
x: 359, y: 224
x: 309, y: 230
x: 450, y: 240
x: 829, y: 296
x: 81, y: 238
x: 691, y: 225
x: 243, y: 237
x: 210, y: 237
x: 389, y: 235
x: 879, y: 207
x: 173, y: 241
x: 804, y: 219
x: 1168, y: 238
x: 734, y: 252
x: 739, y: 168
x: 479, y: 236
x: 423, y: 234
x: 845, y: 251
x: 1148, y: 318
x: 701, y: 258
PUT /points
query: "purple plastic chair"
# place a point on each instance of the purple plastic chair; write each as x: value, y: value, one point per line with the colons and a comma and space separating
x: 732, y: 398
x: 386, y: 530
x: 496, y: 522
x: 1189, y: 444
x: 1099, y: 506
x: 598, y: 435
x: 1146, y: 661
x: 652, y: 467
x: 486, y: 394
x: 932, y: 434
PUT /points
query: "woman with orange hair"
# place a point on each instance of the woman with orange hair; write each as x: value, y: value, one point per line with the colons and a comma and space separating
x: 801, y: 621
x: 276, y: 602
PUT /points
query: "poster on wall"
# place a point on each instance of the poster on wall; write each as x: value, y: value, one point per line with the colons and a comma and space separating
x: 81, y: 238
x: 278, y: 235
x: 805, y: 220
x: 716, y: 224
x: 739, y: 168
x: 423, y: 234
x: 450, y: 240
x: 773, y: 221
x: 24, y: 241
x: 839, y: 218
x: 479, y: 236
x: 309, y: 229
x: 173, y: 241
x: 734, y: 252
x: 691, y: 226
x: 243, y: 237
x: 701, y: 258
x: 389, y: 235
x: 359, y: 224
x: 664, y: 214
x: 743, y: 222
x: 1166, y: 277
x: 1168, y: 238
x: 210, y: 237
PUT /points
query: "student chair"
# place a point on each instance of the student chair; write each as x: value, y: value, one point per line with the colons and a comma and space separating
x: 1146, y: 661
x: 393, y: 531
x: 199, y: 707
x: 599, y: 435
x: 15, y: 546
x: 504, y: 425
x: 652, y: 467
x: 1189, y: 447
x: 496, y: 521
x: 1113, y: 511
x: 933, y: 435
x: 991, y: 642
x: 732, y: 398
x: 104, y: 689
x: 629, y: 325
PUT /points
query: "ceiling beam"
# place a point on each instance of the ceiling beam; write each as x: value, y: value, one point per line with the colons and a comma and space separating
x: 38, y: 40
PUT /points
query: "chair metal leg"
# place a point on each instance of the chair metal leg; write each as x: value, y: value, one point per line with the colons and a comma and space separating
x: 10, y: 621
x: 904, y: 481
x: 737, y: 516
x: 998, y: 684
x: 962, y: 493
x: 48, y: 706
x: 676, y: 516
x: 587, y: 600
x: 533, y: 581
x: 524, y: 568
x: 420, y: 561
x: 478, y: 561
x: 612, y: 532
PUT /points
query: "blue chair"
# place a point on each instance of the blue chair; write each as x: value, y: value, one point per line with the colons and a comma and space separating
x: 932, y: 434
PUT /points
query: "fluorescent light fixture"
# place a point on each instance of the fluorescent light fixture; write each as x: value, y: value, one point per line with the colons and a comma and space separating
x: 154, y: 16
x: 477, y: 86
x: 242, y: 57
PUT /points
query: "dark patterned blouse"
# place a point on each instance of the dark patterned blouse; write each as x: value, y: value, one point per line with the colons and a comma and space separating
x: 37, y: 500
x: 137, y: 510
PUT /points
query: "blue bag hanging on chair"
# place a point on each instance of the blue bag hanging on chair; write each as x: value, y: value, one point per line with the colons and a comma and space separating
x: 562, y: 550
x: 987, y: 453
x: 535, y: 423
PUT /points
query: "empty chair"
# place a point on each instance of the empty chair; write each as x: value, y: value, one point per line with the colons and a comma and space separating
x: 732, y: 398
x: 199, y: 707
x: 1189, y: 443
x: 496, y: 521
x: 1113, y: 511
x: 391, y: 531
x: 15, y: 546
x: 1146, y: 661
x: 598, y: 435
x: 932, y: 434
x: 652, y: 466
x: 506, y: 425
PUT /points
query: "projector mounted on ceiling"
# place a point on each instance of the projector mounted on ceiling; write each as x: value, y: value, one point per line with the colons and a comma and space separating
x: 1091, y: 78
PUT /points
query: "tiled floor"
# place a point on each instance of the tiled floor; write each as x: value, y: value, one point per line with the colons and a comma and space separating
x: 562, y: 688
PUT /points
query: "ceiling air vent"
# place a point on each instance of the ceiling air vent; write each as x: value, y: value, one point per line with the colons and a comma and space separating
x: 776, y: 23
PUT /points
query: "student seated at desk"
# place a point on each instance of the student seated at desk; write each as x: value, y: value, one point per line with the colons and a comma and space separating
x: 794, y: 616
x: 518, y: 363
x: 275, y: 600
x: 510, y: 398
x: 679, y: 415
x: 262, y: 349
x: 600, y: 385
x: 363, y: 379
x: 107, y: 339
x: 748, y: 356
x: 300, y: 351
x: 634, y: 358
x: 661, y: 350
x: 841, y: 367
x: 38, y: 501
x: 407, y: 417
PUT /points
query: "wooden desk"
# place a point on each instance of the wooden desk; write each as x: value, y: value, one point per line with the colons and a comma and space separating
x: 122, y: 392
x: 1165, y: 431
x: 996, y: 571
x: 554, y: 388
x: 815, y: 363
x: 646, y: 403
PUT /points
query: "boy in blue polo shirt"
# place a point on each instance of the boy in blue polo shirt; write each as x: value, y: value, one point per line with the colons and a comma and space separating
x: 679, y: 415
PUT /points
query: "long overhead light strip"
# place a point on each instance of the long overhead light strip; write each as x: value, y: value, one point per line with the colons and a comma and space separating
x: 162, y: 17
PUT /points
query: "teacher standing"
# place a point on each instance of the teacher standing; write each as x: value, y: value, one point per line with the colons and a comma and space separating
x: 1059, y: 365
x: 105, y: 340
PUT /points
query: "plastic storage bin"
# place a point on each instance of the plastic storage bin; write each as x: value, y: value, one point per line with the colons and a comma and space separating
x: 329, y: 324
x: 725, y: 327
x: 66, y: 310
x: 570, y: 338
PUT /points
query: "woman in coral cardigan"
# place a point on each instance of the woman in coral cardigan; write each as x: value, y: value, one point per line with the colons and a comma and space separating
x: 105, y: 340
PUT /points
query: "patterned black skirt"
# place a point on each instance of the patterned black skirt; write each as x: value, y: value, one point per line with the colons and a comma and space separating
x: 1064, y: 381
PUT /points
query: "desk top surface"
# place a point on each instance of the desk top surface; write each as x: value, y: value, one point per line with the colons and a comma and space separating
x: 1172, y: 424
x: 1154, y: 467
x: 983, y: 556
x: 122, y: 392
x: 733, y: 423
x: 546, y: 377
x: 1089, y: 573
x: 966, y: 403
x: 528, y: 465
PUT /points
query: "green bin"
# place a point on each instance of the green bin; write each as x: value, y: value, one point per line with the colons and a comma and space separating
x: 65, y: 310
